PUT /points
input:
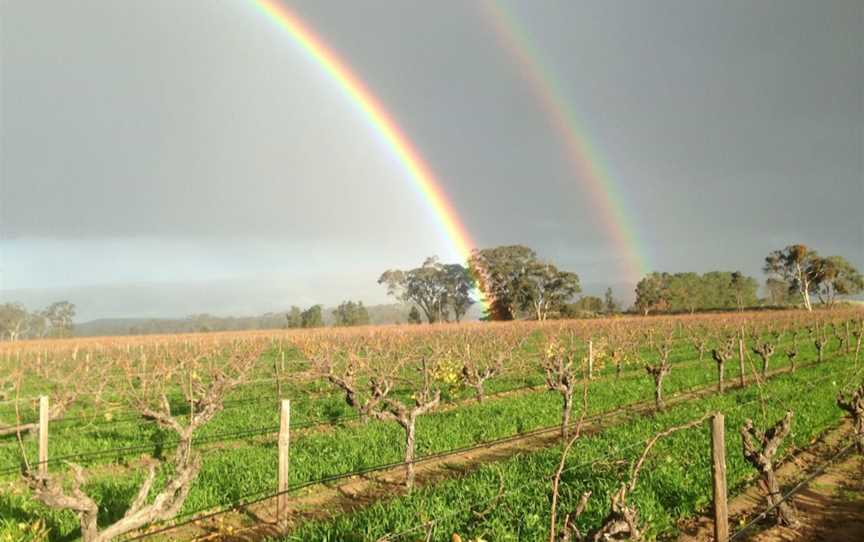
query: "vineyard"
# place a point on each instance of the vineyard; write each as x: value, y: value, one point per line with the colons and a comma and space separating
x: 564, y: 430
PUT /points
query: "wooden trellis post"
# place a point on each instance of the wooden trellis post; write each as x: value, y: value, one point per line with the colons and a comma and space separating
x: 590, y: 359
x: 718, y: 462
x: 44, y: 417
x: 284, y: 439
x: 741, y: 358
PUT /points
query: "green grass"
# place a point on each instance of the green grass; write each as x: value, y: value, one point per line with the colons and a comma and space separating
x: 676, y: 482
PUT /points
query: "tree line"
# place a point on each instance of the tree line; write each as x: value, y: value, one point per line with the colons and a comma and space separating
x: 16, y: 322
x: 348, y: 313
x: 691, y: 292
x: 795, y: 274
x: 517, y: 284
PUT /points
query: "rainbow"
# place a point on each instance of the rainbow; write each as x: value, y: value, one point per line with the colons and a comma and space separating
x: 584, y: 159
x: 380, y: 120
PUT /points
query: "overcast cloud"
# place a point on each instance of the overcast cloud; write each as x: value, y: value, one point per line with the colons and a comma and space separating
x: 163, y: 157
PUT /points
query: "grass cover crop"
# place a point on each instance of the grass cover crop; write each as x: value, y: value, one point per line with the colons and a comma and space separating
x: 675, y: 484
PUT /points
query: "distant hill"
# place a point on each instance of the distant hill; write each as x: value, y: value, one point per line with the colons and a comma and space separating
x: 394, y: 313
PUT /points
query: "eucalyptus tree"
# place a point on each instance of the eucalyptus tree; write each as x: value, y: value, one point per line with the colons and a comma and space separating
x: 794, y: 265
x: 434, y: 287
x: 834, y: 276
x: 545, y: 289
x: 500, y: 273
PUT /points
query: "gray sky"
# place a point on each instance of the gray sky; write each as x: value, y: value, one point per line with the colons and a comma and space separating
x: 163, y: 157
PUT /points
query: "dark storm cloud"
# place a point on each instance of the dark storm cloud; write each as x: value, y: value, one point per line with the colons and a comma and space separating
x: 730, y: 129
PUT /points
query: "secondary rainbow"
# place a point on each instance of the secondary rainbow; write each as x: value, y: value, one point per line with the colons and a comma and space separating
x: 382, y: 122
x: 584, y: 159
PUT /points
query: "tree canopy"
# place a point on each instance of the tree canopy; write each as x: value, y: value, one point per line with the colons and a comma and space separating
x: 793, y: 265
x: 689, y: 292
x: 349, y: 313
x: 517, y: 283
x: 442, y: 291
x: 805, y: 273
x: 16, y: 322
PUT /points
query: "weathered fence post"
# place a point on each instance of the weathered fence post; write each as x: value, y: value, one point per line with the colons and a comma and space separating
x: 590, y: 359
x: 44, y: 416
x: 718, y: 457
x: 284, y: 439
x: 741, y: 359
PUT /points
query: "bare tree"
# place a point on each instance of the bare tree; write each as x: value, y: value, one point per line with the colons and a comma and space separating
x: 559, y: 366
x: 148, y: 394
x: 618, y: 346
x: 556, y: 480
x: 699, y: 340
x: 820, y: 342
x: 843, y: 337
x: 858, y: 334
x: 392, y: 409
x: 792, y: 353
x: 764, y: 350
x: 67, y: 388
x: 485, y: 362
x: 660, y: 370
x: 854, y: 406
x: 759, y: 450
x: 721, y: 355
x: 378, y: 403
x: 379, y: 385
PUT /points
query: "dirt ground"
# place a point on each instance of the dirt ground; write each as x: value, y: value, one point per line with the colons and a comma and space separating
x: 830, y: 508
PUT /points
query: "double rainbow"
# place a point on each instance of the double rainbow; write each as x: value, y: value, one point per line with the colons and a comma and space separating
x: 583, y: 158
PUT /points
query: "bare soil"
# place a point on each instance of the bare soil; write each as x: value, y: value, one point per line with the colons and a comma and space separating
x: 830, y: 507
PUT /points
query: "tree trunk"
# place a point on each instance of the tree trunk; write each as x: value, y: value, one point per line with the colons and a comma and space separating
x: 760, y: 454
x: 806, y: 295
x: 804, y: 287
x: 785, y: 514
x: 720, y: 376
x: 410, y: 441
x: 565, y: 413
x: 479, y: 392
x: 658, y: 392
x: 858, y: 344
x: 854, y: 406
x: 89, y: 528
x: 859, y: 433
